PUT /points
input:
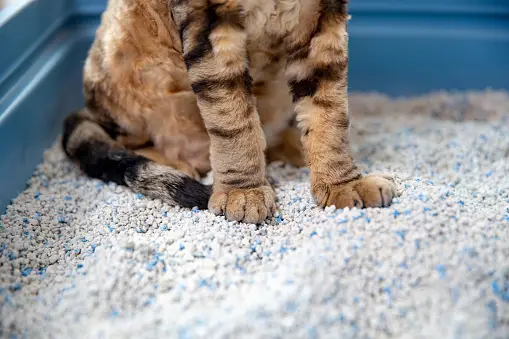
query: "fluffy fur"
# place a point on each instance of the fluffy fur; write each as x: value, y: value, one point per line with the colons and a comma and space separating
x: 196, y: 85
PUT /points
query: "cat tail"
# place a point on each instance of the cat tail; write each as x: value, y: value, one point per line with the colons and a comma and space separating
x: 100, y: 156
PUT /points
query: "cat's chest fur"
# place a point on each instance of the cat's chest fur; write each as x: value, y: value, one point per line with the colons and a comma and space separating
x: 270, y: 20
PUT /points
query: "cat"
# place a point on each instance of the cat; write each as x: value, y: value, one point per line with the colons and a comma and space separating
x: 176, y: 88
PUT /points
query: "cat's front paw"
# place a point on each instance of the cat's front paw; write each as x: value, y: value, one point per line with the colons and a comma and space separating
x: 251, y: 206
x: 369, y: 191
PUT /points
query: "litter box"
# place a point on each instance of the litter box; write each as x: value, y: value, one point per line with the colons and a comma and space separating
x: 397, y: 47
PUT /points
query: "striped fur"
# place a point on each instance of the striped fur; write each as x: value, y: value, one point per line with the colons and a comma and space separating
x: 222, y: 80
x: 99, y: 156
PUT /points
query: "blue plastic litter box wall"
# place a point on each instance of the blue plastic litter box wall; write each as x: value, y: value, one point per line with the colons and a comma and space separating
x: 399, y: 47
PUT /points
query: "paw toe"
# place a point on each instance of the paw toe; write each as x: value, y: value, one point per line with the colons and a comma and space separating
x: 235, y: 206
x: 217, y: 203
x: 345, y: 197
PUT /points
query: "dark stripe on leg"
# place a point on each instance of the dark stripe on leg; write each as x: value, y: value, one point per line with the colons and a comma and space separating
x: 214, y: 17
x: 229, y: 133
x: 308, y: 87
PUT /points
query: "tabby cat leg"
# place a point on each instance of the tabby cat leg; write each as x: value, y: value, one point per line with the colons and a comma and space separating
x: 317, y: 74
x: 214, y: 48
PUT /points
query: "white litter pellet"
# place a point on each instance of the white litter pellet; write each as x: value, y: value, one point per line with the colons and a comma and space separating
x: 81, y: 258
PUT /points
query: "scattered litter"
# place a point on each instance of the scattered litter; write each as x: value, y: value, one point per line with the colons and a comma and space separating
x: 81, y: 258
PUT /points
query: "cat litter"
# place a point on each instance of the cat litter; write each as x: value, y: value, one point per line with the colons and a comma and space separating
x: 81, y: 258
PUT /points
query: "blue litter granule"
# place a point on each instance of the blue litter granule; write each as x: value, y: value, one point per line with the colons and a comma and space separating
x: 401, y: 234
x: 426, y: 209
x: 313, y: 234
x: 26, y: 271
x: 150, y: 266
x: 37, y: 195
x: 25, y: 220
x: 470, y: 251
x: 114, y: 313
x: 492, y: 309
x: 79, y: 266
x: 430, y: 182
x: 12, y: 256
x: 388, y: 292
x: 312, y: 334
x: 15, y: 287
x: 283, y: 249
x: 501, y: 290
x: 395, y: 213
x: 291, y: 307
x: 67, y: 198
x: 240, y: 267
x: 418, y: 179
x: 111, y: 229
x: 344, y: 220
x: 93, y: 247
x: 442, y: 270
x: 417, y: 243
x: 149, y: 301
x: 139, y: 195
x: 488, y: 173
x: 83, y: 239
x: 358, y: 216
x: 461, y: 202
x: 164, y: 228
x: 181, y: 247
x: 279, y: 219
x: 343, y: 231
x: 61, y: 220
x: 195, y: 209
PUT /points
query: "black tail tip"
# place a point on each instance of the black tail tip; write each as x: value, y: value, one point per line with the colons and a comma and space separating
x: 192, y: 193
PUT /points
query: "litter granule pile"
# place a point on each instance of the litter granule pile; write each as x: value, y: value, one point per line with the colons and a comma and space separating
x: 80, y: 258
